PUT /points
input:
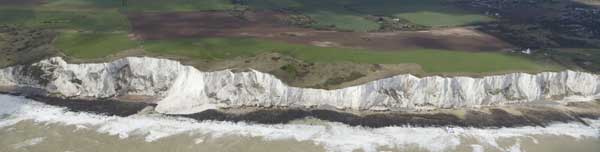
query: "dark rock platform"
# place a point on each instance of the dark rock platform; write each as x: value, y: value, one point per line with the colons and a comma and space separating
x: 488, y: 118
x: 494, y: 119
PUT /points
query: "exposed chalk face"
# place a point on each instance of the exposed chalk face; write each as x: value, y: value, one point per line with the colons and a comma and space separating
x: 183, y: 89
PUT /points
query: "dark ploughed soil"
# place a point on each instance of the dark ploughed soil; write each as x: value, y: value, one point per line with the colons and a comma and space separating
x: 541, y: 116
x: 271, y: 25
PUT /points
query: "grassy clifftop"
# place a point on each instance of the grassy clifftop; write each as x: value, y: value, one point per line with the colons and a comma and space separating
x: 433, y: 61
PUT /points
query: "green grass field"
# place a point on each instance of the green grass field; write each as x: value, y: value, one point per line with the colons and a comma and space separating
x: 342, y: 14
x: 437, y: 19
x: 343, y: 22
x: 93, y: 45
x: 177, y: 5
x: 107, y: 20
x: 95, y: 15
x: 432, y: 61
x: 326, y: 13
x: 80, y: 5
x: 424, y: 12
x: 351, y: 14
x: 141, y: 5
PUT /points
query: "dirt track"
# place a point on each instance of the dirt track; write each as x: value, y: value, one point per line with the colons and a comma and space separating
x: 269, y: 25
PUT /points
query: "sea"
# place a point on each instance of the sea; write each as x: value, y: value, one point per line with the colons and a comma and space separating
x: 30, y: 126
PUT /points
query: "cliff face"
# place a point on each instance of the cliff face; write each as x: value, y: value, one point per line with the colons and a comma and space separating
x: 179, y: 89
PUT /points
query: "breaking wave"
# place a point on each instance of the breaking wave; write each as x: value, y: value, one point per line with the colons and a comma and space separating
x: 333, y: 136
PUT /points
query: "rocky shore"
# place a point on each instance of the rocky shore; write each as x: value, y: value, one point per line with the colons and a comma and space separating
x: 488, y: 117
x: 473, y: 118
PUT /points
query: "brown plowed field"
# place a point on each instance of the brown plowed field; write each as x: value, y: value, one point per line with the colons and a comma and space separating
x: 270, y: 25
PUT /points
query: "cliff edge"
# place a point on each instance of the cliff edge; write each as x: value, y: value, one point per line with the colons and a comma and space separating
x: 180, y: 89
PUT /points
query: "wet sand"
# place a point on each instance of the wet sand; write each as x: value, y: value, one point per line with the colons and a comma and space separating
x: 57, y: 138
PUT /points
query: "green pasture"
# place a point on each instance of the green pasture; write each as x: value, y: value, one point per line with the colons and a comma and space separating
x: 107, y: 20
x: 433, y: 61
x: 424, y: 12
x: 342, y: 14
x: 351, y: 14
x: 93, y: 45
x: 142, y: 5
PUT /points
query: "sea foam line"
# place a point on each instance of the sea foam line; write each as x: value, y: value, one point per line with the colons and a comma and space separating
x: 333, y: 136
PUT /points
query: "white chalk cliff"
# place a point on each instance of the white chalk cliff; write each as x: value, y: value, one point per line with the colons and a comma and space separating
x: 179, y: 89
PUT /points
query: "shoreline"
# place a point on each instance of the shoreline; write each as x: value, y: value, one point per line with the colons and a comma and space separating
x: 488, y: 117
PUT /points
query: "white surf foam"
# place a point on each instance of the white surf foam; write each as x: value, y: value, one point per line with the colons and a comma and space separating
x: 333, y: 136
x: 29, y: 142
x: 477, y: 148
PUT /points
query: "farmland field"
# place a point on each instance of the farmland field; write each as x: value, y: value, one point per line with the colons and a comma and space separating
x: 433, y: 61
x: 93, y: 45
x: 337, y: 31
x: 268, y: 25
x: 107, y: 20
x: 177, y: 5
x: 424, y: 12
x: 343, y: 21
x: 443, y: 19
x: 344, y: 15
x: 139, y: 5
